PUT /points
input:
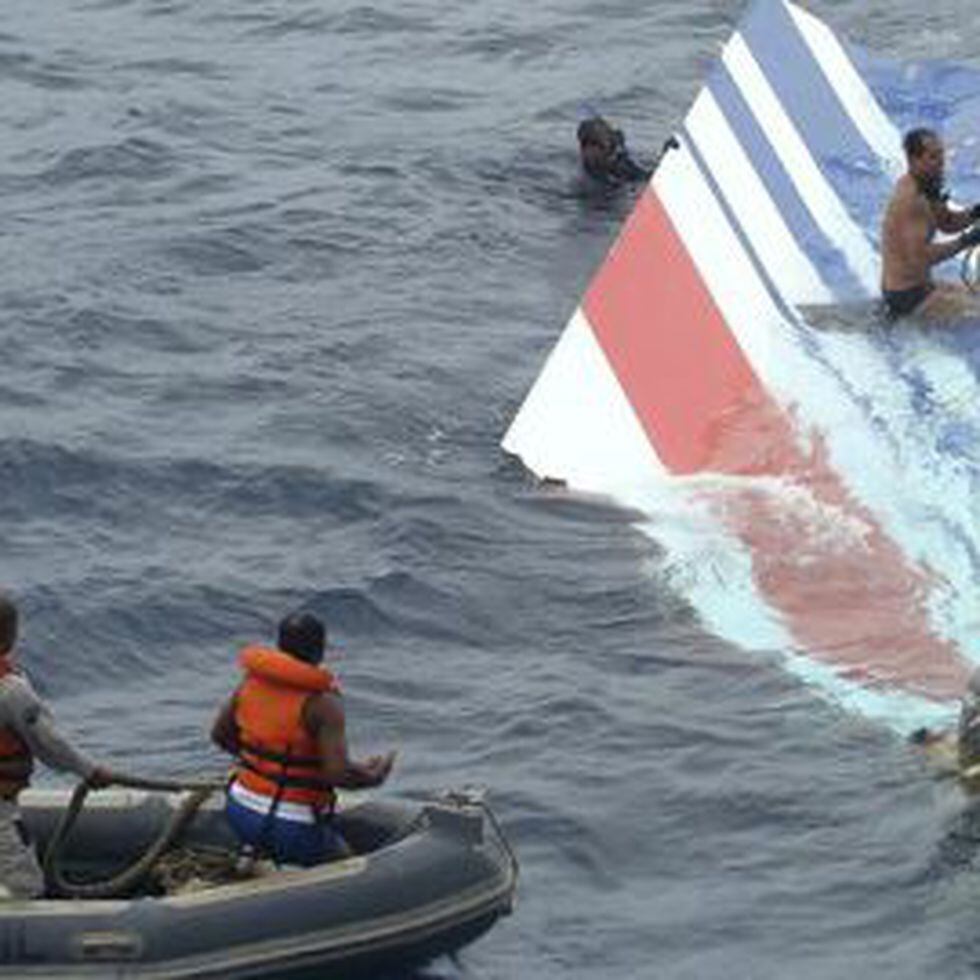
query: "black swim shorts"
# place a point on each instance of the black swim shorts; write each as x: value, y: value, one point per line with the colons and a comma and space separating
x: 902, y: 302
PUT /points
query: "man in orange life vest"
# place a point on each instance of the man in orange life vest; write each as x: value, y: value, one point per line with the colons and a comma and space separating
x: 285, y: 724
x: 26, y: 730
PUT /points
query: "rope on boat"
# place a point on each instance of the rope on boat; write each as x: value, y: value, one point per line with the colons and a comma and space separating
x: 475, y: 797
x: 126, y: 881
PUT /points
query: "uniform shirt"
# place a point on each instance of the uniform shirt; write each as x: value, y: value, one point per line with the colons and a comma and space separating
x: 23, y: 710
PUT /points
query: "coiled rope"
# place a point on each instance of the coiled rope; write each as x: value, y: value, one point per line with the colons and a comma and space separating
x: 126, y: 881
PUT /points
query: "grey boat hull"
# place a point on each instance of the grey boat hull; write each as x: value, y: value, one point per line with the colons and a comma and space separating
x: 427, y: 879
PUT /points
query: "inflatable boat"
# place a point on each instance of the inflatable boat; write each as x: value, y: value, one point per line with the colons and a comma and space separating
x: 425, y: 878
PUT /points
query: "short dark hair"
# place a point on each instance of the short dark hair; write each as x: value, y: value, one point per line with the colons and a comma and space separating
x: 915, y: 141
x: 303, y: 636
x: 593, y: 130
x: 8, y: 624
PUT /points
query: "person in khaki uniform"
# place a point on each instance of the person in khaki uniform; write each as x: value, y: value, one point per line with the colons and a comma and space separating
x: 27, y: 732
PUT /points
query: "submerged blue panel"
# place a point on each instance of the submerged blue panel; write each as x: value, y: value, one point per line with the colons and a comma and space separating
x: 850, y: 165
x: 827, y: 258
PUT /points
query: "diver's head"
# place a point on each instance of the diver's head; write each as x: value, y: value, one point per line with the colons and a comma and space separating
x: 598, y: 142
x: 8, y: 625
x: 303, y: 636
x: 926, y: 158
x: 595, y: 131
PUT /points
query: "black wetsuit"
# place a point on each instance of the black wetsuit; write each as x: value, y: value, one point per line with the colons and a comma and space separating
x: 621, y: 169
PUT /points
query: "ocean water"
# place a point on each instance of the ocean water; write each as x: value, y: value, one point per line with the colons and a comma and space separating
x: 276, y: 277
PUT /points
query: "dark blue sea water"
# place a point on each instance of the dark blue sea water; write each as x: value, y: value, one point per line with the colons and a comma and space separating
x: 276, y: 276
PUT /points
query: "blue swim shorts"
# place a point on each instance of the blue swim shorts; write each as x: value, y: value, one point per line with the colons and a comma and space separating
x: 292, y: 835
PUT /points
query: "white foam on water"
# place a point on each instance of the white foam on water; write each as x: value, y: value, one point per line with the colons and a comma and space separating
x: 713, y: 571
x: 857, y: 403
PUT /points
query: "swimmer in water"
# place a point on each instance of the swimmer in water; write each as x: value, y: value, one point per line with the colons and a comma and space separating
x: 604, y: 156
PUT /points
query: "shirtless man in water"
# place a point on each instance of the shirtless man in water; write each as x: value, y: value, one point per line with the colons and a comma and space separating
x: 917, y: 210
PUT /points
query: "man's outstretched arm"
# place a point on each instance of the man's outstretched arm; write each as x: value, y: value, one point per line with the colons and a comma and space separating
x: 30, y: 717
x: 327, y: 718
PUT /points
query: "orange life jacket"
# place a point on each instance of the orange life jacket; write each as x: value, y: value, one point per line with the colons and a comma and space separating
x: 16, y: 760
x: 277, y: 756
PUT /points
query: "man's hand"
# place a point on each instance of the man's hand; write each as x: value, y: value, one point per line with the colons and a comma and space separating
x: 379, y: 766
x: 99, y: 778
